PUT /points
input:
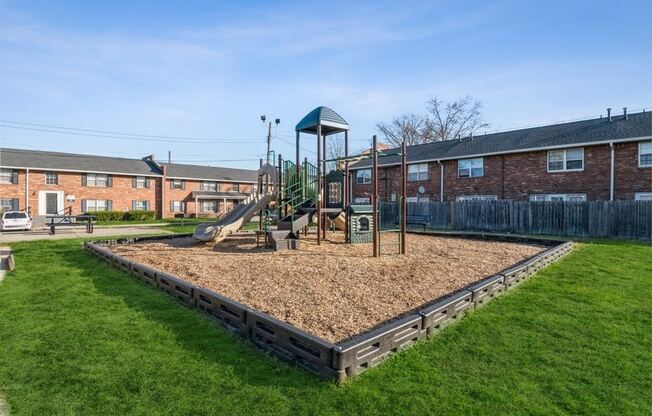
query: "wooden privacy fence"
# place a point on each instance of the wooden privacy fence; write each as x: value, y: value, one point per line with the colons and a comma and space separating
x: 616, y: 219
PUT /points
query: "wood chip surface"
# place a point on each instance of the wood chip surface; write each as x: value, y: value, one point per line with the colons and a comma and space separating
x: 335, y: 290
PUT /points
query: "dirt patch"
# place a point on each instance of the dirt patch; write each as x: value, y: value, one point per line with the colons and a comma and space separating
x: 335, y: 290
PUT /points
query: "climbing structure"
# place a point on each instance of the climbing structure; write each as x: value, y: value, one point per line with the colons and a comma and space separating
x: 302, y: 193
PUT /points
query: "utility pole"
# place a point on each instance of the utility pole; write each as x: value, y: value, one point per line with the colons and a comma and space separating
x: 269, y: 136
x: 169, y: 156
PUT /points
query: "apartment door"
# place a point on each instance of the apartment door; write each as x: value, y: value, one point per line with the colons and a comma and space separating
x: 50, y: 202
x: 51, y: 207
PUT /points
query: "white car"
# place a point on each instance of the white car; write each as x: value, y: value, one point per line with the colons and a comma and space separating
x: 15, y: 220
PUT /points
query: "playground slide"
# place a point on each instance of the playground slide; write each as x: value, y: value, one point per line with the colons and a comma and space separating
x: 340, y: 221
x: 233, y: 221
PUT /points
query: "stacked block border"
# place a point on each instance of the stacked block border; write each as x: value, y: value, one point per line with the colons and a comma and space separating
x: 357, y: 354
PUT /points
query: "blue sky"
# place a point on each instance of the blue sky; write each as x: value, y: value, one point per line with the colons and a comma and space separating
x: 209, y: 69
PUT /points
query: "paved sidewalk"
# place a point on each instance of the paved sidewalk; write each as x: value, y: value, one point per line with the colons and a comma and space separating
x: 13, y: 237
x: 5, y: 252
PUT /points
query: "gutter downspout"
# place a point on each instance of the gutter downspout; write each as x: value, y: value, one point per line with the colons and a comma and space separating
x: 26, y: 190
x: 441, y: 181
x: 611, y: 175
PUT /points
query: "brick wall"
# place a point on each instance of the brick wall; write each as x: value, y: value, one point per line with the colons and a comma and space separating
x: 185, y: 195
x: 519, y: 175
x: 121, y: 192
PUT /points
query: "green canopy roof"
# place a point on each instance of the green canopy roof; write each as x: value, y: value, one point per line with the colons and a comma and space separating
x: 330, y: 122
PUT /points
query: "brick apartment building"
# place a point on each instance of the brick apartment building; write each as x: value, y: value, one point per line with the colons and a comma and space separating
x: 607, y: 158
x: 51, y: 182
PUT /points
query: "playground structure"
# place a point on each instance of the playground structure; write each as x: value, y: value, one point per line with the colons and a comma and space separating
x: 302, y: 193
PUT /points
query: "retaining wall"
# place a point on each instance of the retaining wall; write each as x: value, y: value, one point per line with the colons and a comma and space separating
x: 350, y: 357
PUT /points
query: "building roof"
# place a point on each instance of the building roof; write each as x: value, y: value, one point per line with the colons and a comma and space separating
x: 36, y: 159
x: 584, y: 132
x: 177, y: 170
x: 330, y: 121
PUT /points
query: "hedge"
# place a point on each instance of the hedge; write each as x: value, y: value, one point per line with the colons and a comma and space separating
x: 123, y: 215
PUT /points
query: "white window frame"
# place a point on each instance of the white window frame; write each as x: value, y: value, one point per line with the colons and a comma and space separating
x: 141, y: 182
x: 418, y: 169
x: 49, y: 176
x: 202, y: 206
x: 7, y: 204
x: 207, y: 185
x: 470, y: 168
x: 177, y: 206
x: 92, y: 205
x: 362, y: 200
x: 176, y: 184
x: 564, y: 160
x: 462, y: 198
x: 553, y: 197
x: 140, y: 205
x: 235, y: 187
x: 4, y: 174
x: 643, y: 196
x: 641, y: 154
x: 363, y: 176
x: 92, y: 180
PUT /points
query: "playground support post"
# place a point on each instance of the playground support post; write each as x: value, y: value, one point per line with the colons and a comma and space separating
x: 322, y: 200
x: 403, y: 195
x: 374, y: 195
x: 318, y: 185
x: 345, y: 191
x: 279, y: 196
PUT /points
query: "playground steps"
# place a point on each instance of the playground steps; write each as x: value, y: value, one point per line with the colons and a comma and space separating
x: 295, y: 223
x: 282, y: 240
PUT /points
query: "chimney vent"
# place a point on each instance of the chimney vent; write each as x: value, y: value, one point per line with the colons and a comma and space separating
x: 609, y: 113
x: 625, y: 112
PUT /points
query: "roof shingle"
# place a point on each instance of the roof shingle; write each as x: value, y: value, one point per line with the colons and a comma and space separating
x: 556, y: 135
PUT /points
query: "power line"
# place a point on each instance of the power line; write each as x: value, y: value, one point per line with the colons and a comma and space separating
x: 47, y: 127
x: 129, y: 138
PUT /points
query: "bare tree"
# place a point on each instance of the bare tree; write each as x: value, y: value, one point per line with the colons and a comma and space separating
x: 411, y: 128
x: 334, y: 150
x: 456, y: 119
x: 444, y: 121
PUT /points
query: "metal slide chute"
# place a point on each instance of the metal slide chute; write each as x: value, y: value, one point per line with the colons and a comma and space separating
x: 240, y: 215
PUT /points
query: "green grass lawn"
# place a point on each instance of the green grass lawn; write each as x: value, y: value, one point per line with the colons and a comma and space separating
x: 163, y: 221
x: 79, y: 338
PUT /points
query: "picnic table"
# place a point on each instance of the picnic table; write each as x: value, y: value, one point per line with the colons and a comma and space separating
x: 55, y: 221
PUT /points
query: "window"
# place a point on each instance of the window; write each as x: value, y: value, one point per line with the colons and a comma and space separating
x: 643, y: 196
x: 236, y: 187
x: 177, y: 184
x: 363, y: 176
x: 140, y: 182
x: 363, y: 224
x: 476, y: 198
x: 177, y: 206
x: 558, y: 197
x: 140, y: 205
x: 97, y: 180
x: 8, y: 176
x: 418, y: 172
x: 470, y: 168
x: 208, y: 186
x: 417, y: 199
x: 9, y: 204
x: 208, y: 206
x: 93, y: 205
x: 645, y: 154
x: 51, y: 178
x: 566, y: 160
